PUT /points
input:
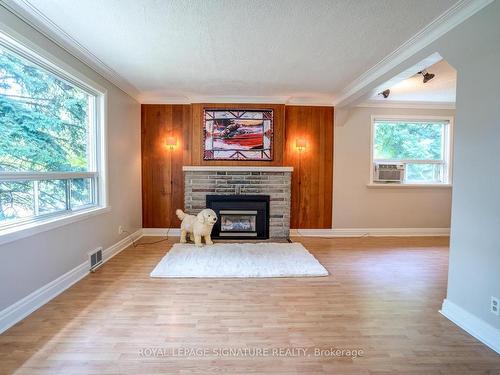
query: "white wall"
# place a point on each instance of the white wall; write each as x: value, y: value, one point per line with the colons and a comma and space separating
x: 358, y: 206
x: 32, y: 262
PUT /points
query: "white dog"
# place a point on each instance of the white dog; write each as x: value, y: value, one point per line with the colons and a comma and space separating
x: 198, y: 226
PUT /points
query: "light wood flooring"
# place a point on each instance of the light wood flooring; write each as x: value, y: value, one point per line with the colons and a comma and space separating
x: 382, y: 297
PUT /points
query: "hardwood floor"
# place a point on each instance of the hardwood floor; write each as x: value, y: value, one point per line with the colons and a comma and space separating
x: 382, y: 297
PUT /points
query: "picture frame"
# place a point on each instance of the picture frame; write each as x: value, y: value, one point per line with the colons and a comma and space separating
x: 238, y: 134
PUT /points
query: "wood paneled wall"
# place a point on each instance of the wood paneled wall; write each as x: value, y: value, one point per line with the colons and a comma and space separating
x: 312, y: 179
x: 163, y: 179
x: 162, y: 176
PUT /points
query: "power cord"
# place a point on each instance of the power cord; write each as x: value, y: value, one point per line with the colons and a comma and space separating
x: 363, y: 235
x: 135, y: 244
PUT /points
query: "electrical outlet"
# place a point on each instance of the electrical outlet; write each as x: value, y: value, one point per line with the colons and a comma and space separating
x: 495, y: 306
x: 121, y: 229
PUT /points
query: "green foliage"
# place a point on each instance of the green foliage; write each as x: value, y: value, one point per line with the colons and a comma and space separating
x: 43, y: 123
x: 424, y: 172
x: 411, y: 141
x: 43, y: 120
x: 16, y: 200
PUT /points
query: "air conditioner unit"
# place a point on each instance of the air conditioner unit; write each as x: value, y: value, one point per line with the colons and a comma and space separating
x: 389, y: 172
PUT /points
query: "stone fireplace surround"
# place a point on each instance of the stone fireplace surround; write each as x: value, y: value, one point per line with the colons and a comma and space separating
x: 200, y: 181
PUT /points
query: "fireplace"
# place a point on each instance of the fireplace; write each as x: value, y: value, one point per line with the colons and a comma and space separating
x: 240, y: 216
x: 275, y: 182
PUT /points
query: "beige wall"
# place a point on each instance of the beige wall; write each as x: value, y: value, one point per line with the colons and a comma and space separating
x: 358, y: 206
x: 32, y: 262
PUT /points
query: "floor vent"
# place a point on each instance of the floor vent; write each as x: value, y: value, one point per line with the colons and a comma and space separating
x: 95, y: 258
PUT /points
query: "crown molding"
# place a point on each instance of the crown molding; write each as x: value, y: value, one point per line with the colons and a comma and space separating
x: 36, y: 19
x: 454, y: 16
x: 158, y: 99
x: 406, y: 104
x: 240, y: 99
x: 164, y: 100
x: 313, y: 101
x: 287, y: 100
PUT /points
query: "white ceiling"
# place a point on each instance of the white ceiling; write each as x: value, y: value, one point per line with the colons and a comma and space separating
x: 440, y: 89
x: 269, y: 50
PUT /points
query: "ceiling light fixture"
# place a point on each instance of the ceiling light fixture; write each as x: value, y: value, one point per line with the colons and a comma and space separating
x: 385, y: 93
x: 427, y: 76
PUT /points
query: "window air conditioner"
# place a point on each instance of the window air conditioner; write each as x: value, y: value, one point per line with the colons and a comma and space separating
x: 386, y: 172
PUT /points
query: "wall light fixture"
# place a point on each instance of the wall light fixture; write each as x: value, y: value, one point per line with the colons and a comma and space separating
x: 171, y: 142
x: 300, y: 144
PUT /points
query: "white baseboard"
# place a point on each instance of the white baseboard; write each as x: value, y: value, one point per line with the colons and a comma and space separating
x: 371, y: 232
x: 22, y: 308
x: 476, y: 327
x: 335, y: 232
x: 161, y: 232
x: 121, y: 245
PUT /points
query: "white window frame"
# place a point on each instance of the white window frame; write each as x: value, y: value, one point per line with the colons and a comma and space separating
x: 24, y: 47
x: 448, y: 151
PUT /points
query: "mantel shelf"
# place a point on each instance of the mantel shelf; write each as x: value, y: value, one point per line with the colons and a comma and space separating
x: 205, y: 168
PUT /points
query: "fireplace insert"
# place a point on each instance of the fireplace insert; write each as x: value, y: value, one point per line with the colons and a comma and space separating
x: 240, y: 216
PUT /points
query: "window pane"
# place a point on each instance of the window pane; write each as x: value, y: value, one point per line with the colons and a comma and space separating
x: 16, y: 200
x: 408, y: 140
x: 424, y: 173
x: 43, y: 119
x: 81, y: 192
x: 51, y: 196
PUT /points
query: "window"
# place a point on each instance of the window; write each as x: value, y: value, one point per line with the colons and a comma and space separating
x: 50, y: 140
x: 421, y: 146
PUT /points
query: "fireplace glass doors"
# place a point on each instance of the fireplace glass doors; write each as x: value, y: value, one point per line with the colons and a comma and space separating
x: 238, y: 221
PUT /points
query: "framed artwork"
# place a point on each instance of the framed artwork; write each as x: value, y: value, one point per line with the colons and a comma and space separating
x: 238, y: 134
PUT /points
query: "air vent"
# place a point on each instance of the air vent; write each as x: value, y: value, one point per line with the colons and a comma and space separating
x: 95, y: 258
x: 389, y: 175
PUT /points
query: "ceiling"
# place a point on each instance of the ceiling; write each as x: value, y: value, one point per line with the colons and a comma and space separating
x: 440, y: 89
x: 260, y: 50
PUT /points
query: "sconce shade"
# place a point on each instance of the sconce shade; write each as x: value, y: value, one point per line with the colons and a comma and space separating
x: 300, y: 144
x: 171, y: 142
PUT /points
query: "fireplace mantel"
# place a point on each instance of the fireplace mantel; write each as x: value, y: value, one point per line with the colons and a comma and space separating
x: 212, y: 168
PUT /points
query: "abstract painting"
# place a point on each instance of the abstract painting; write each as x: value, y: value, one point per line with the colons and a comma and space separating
x: 238, y: 134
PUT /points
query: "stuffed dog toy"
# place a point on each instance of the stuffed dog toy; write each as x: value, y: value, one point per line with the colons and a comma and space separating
x: 198, y: 226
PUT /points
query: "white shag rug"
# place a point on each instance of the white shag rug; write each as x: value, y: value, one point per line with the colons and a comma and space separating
x: 239, y: 260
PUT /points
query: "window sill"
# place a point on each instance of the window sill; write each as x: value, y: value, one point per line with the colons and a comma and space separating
x: 26, y: 230
x: 407, y: 186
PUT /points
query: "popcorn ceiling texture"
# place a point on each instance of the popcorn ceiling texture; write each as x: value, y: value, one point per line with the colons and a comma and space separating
x: 275, y: 184
x: 267, y: 51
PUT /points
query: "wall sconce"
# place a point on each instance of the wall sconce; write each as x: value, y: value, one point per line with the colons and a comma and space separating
x: 300, y: 144
x: 171, y: 142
